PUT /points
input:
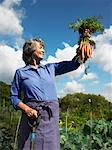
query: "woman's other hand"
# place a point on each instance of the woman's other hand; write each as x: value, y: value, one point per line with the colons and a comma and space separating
x: 28, y: 110
x: 31, y: 112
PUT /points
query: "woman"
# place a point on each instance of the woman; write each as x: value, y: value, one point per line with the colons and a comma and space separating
x: 37, y: 82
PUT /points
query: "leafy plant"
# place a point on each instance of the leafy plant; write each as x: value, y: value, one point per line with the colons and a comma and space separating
x: 83, y: 139
x: 6, y: 138
x: 91, y: 23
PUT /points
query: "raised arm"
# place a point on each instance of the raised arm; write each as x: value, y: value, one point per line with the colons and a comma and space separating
x: 66, y: 66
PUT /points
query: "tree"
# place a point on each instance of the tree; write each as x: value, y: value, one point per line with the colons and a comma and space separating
x: 81, y: 107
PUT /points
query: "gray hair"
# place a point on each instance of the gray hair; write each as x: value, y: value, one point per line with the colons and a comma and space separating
x: 28, y: 48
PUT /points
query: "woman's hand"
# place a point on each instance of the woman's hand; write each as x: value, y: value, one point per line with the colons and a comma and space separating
x: 31, y: 112
x: 28, y: 110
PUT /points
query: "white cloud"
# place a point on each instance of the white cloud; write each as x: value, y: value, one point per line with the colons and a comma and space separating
x: 10, y: 25
x: 63, y: 54
x: 89, y: 76
x: 106, y: 37
x: 109, y: 85
x: 108, y: 91
x: 10, y: 19
x: 70, y: 88
x: 76, y: 73
x: 103, y: 52
x: 96, y: 82
x: 10, y: 3
x: 67, y: 54
x: 10, y: 60
x: 52, y: 59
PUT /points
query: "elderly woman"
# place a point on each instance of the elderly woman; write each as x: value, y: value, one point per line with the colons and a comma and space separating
x: 37, y: 82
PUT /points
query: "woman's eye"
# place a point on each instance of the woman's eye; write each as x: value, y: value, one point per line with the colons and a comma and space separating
x: 41, y: 47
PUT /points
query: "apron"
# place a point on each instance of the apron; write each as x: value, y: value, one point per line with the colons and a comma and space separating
x: 47, y: 132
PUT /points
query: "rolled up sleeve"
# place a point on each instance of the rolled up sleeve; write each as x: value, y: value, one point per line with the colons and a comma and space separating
x: 16, y: 90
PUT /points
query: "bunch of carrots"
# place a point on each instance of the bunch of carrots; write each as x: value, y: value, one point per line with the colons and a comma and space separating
x: 86, y: 27
x: 85, y: 48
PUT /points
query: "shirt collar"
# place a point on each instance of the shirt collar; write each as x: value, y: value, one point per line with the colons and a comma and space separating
x: 27, y: 67
x: 42, y: 66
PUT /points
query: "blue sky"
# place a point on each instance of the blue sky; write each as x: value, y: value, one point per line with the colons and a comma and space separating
x: 49, y: 19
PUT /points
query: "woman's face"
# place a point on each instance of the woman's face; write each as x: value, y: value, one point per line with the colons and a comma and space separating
x: 39, y: 52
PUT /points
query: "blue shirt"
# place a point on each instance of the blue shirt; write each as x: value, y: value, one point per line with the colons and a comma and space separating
x: 39, y: 83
